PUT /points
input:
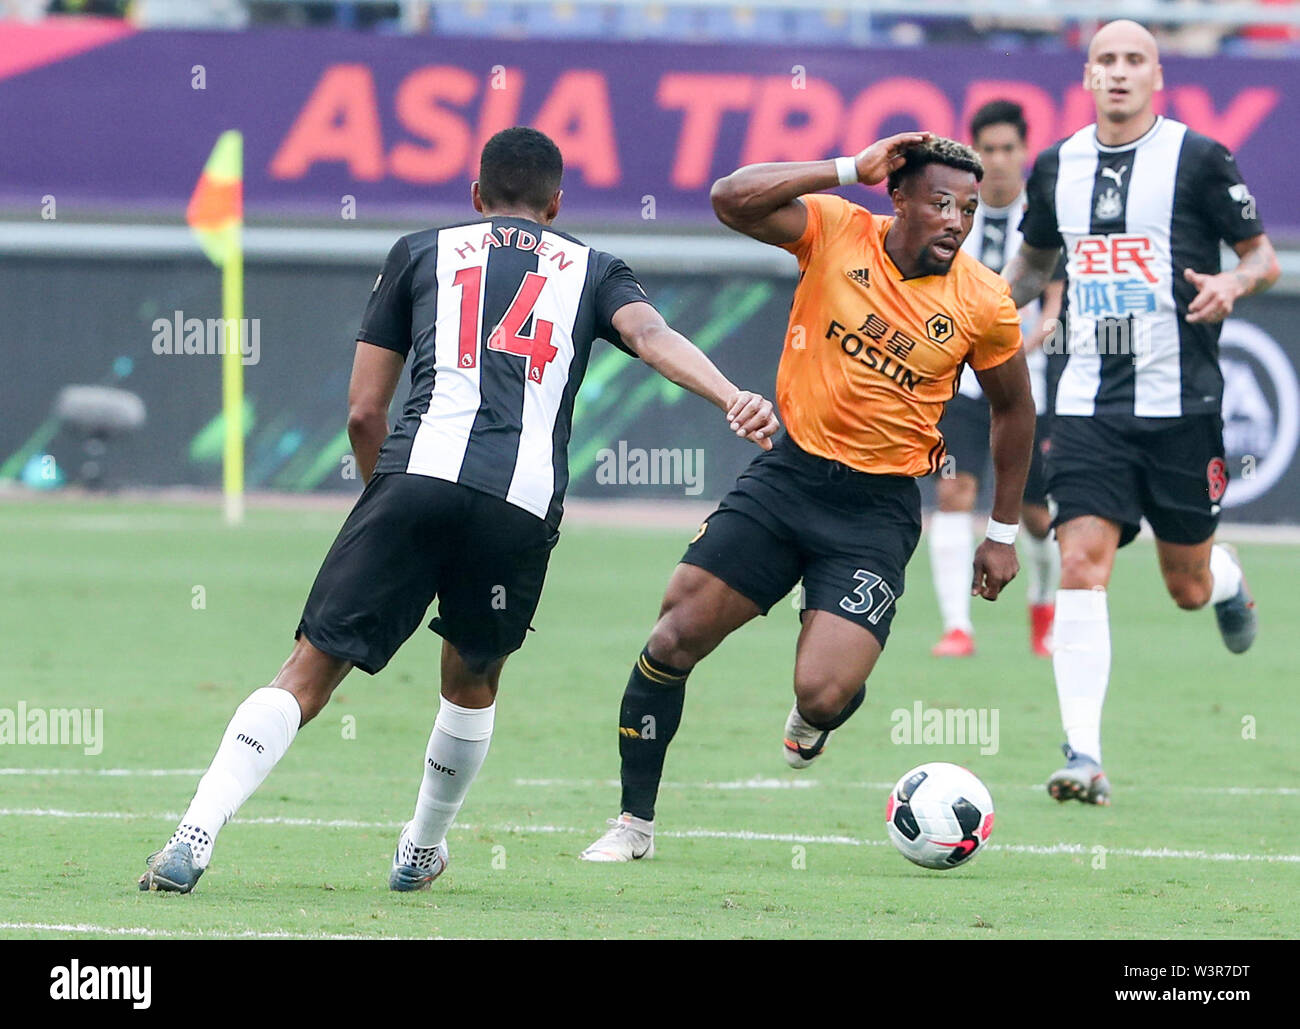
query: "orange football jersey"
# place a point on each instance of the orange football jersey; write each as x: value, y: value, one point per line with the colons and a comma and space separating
x: 871, y: 358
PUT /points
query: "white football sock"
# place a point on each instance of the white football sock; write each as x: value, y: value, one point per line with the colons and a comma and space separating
x: 257, y: 737
x: 1042, y: 567
x: 457, y: 747
x: 951, y: 554
x: 417, y: 857
x: 1225, y: 573
x: 1081, y: 661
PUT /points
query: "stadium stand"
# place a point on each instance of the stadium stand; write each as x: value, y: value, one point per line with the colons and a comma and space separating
x: 1196, y: 27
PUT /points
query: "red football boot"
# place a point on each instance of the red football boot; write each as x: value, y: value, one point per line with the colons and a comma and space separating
x: 1041, y: 617
x: 955, y: 643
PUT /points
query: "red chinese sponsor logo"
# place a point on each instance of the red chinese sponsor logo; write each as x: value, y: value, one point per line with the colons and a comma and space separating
x: 1115, y: 255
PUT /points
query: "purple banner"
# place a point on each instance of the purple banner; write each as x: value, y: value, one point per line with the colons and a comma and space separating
x: 97, y: 115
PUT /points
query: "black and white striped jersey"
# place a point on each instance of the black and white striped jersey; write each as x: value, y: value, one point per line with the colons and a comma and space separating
x: 500, y: 315
x: 994, y: 238
x: 1132, y: 219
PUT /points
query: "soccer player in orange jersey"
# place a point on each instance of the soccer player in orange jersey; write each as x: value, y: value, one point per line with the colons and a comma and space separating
x: 886, y: 312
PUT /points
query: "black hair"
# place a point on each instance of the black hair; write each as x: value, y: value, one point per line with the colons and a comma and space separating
x: 999, y: 112
x: 938, y: 151
x: 519, y: 167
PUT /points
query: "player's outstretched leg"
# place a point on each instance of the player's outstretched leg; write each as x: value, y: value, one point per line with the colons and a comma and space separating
x: 458, y: 745
x: 699, y: 610
x: 951, y: 552
x: 1081, y: 654
x: 257, y: 737
x: 832, y: 661
x: 648, y: 718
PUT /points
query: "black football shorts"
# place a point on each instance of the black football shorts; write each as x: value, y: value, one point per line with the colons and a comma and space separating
x: 794, y: 516
x: 411, y: 538
x: 1036, y: 483
x: 1170, y: 471
x: 965, y: 427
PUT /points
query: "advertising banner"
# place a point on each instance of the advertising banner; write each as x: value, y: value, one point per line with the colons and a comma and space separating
x: 148, y: 330
x: 99, y: 116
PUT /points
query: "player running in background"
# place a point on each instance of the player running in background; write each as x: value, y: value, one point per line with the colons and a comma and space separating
x: 998, y: 132
x: 1140, y: 203
x: 464, y: 497
x: 885, y: 313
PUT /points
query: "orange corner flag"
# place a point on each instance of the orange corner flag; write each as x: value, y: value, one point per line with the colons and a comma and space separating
x: 216, y: 211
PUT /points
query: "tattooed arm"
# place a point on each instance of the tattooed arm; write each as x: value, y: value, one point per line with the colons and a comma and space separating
x: 1255, y: 272
x: 1029, y: 273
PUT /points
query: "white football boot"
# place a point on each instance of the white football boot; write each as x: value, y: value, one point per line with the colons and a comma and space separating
x: 629, y: 839
x: 803, y: 742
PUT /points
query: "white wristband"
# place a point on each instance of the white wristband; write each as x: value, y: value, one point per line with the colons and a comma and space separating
x: 847, y: 169
x: 1001, y: 532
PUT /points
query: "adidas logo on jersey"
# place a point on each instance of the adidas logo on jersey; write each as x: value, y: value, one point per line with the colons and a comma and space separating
x: 862, y: 276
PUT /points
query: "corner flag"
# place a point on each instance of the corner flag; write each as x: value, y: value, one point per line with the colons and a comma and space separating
x: 216, y: 216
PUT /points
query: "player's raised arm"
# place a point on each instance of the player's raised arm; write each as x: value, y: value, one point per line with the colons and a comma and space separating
x: 676, y: 358
x: 762, y: 200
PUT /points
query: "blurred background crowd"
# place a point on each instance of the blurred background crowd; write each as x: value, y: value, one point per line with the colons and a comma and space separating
x: 1193, y: 27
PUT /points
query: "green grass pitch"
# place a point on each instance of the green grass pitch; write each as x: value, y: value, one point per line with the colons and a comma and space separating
x: 99, y: 610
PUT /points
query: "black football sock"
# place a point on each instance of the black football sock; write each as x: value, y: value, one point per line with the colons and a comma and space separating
x: 843, y: 716
x: 647, y: 722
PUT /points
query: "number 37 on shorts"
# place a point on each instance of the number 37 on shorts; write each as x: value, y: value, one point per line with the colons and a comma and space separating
x: 872, y: 596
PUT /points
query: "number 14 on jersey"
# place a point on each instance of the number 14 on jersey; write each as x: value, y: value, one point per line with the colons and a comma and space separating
x: 506, y: 337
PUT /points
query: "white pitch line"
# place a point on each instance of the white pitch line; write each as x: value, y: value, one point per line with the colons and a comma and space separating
x: 249, y: 934
x: 753, y: 783
x: 756, y: 783
x: 52, y: 812
x: 746, y: 836
x: 851, y: 841
x: 760, y: 783
x: 103, y: 771
x: 172, y: 816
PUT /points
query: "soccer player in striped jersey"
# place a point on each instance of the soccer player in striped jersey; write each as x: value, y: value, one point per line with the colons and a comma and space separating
x: 464, y: 496
x: 885, y: 313
x: 998, y: 132
x: 1141, y: 203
